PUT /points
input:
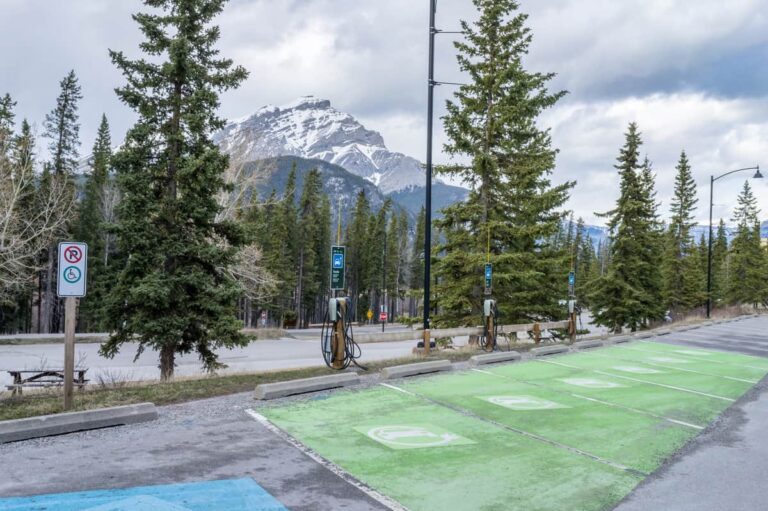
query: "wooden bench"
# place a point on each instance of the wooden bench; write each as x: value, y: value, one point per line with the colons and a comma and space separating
x: 43, y: 378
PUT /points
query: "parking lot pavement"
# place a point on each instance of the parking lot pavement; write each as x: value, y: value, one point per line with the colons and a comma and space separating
x: 198, y: 442
x: 724, y: 468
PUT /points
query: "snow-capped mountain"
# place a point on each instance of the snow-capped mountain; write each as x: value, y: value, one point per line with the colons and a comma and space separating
x: 311, y: 128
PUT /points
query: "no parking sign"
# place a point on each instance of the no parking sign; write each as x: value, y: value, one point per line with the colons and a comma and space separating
x: 73, y: 266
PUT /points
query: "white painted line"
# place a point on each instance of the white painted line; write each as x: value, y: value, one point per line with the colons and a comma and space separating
x: 486, y: 372
x: 628, y: 408
x: 668, y: 386
x: 534, y: 436
x: 674, y: 368
x: 642, y: 412
x: 397, y: 389
x: 346, y: 476
x: 691, y: 357
x: 642, y: 381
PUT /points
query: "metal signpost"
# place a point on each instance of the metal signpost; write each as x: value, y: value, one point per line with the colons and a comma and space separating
x: 338, y: 266
x: 72, y: 276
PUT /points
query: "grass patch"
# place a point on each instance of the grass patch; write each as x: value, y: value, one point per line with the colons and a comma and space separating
x: 181, y: 390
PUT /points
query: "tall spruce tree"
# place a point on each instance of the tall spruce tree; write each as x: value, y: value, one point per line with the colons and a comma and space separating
x: 175, y: 294
x: 62, y: 127
x: 357, y: 248
x: 746, y: 283
x: 92, y: 229
x: 719, y: 268
x: 512, y: 206
x: 628, y: 292
x: 681, y: 267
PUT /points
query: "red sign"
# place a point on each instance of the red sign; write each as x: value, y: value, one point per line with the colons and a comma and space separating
x: 73, y: 254
x: 383, y: 316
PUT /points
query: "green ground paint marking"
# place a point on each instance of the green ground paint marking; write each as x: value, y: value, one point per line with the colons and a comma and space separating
x: 720, y: 357
x: 524, y: 422
x: 611, y: 433
x: 661, y: 401
x: 611, y: 360
x: 501, y: 470
x: 711, y: 365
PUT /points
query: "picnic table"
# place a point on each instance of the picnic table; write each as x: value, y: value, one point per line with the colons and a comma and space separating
x: 43, y: 378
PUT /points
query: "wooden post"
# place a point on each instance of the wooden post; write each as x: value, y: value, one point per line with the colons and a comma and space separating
x: 491, y: 340
x: 427, y: 342
x: 70, y: 321
x: 572, y: 326
x: 537, y: 332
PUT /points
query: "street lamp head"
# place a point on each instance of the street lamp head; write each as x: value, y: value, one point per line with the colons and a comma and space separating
x: 758, y: 175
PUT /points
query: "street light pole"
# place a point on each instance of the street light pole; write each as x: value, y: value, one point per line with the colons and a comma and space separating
x: 428, y: 191
x: 712, y: 180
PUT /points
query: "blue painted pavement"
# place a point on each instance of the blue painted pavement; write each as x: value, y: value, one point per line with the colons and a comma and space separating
x: 234, y: 494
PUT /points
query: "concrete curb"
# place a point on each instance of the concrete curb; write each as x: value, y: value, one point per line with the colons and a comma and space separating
x: 267, y: 391
x: 644, y: 335
x: 549, y: 350
x: 72, y: 422
x: 621, y: 339
x: 493, y: 358
x: 389, y: 373
x: 585, y: 345
x: 663, y: 331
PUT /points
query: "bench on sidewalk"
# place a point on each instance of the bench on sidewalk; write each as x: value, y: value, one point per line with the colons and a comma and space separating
x: 43, y: 378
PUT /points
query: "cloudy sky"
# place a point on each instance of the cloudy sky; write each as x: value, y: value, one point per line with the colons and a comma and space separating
x: 692, y: 74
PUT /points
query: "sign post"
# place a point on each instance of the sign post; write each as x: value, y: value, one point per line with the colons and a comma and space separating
x: 72, y: 274
x: 572, y: 284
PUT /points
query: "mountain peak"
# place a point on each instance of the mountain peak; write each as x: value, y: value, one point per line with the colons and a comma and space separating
x: 306, y: 103
x: 311, y: 128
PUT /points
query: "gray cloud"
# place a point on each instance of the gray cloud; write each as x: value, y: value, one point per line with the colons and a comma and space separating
x: 690, y: 72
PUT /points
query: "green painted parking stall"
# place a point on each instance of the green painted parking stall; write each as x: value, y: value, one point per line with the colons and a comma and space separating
x: 455, y: 461
x: 577, y: 431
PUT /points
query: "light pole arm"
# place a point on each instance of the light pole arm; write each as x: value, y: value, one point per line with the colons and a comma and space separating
x: 756, y: 167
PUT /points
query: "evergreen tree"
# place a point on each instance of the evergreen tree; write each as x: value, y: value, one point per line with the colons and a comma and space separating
x: 493, y: 122
x: 719, y: 269
x: 628, y: 293
x: 357, y: 248
x: 91, y: 228
x: 7, y: 104
x: 62, y: 126
x: 175, y: 293
x: 681, y: 267
x: 417, y: 253
x: 308, y: 256
x: 746, y: 284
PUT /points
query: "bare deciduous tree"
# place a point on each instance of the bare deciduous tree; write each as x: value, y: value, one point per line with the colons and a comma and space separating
x: 28, y: 224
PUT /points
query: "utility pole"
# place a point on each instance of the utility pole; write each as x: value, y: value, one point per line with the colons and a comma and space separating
x: 428, y: 191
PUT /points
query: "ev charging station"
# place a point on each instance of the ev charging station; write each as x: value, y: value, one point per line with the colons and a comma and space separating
x: 490, y: 313
x: 336, y: 338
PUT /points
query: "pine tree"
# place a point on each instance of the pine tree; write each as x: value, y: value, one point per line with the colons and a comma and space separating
x: 91, y: 228
x: 7, y: 104
x: 493, y: 122
x: 175, y: 294
x: 628, y: 293
x: 417, y: 252
x: 746, y: 283
x: 681, y: 268
x: 719, y: 269
x: 357, y: 247
x: 62, y: 127
x: 309, y: 258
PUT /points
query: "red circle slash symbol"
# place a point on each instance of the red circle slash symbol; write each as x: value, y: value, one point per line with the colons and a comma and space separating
x: 73, y: 254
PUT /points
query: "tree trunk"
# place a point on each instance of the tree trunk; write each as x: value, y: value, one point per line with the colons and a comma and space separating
x: 167, y: 362
x: 46, y: 304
